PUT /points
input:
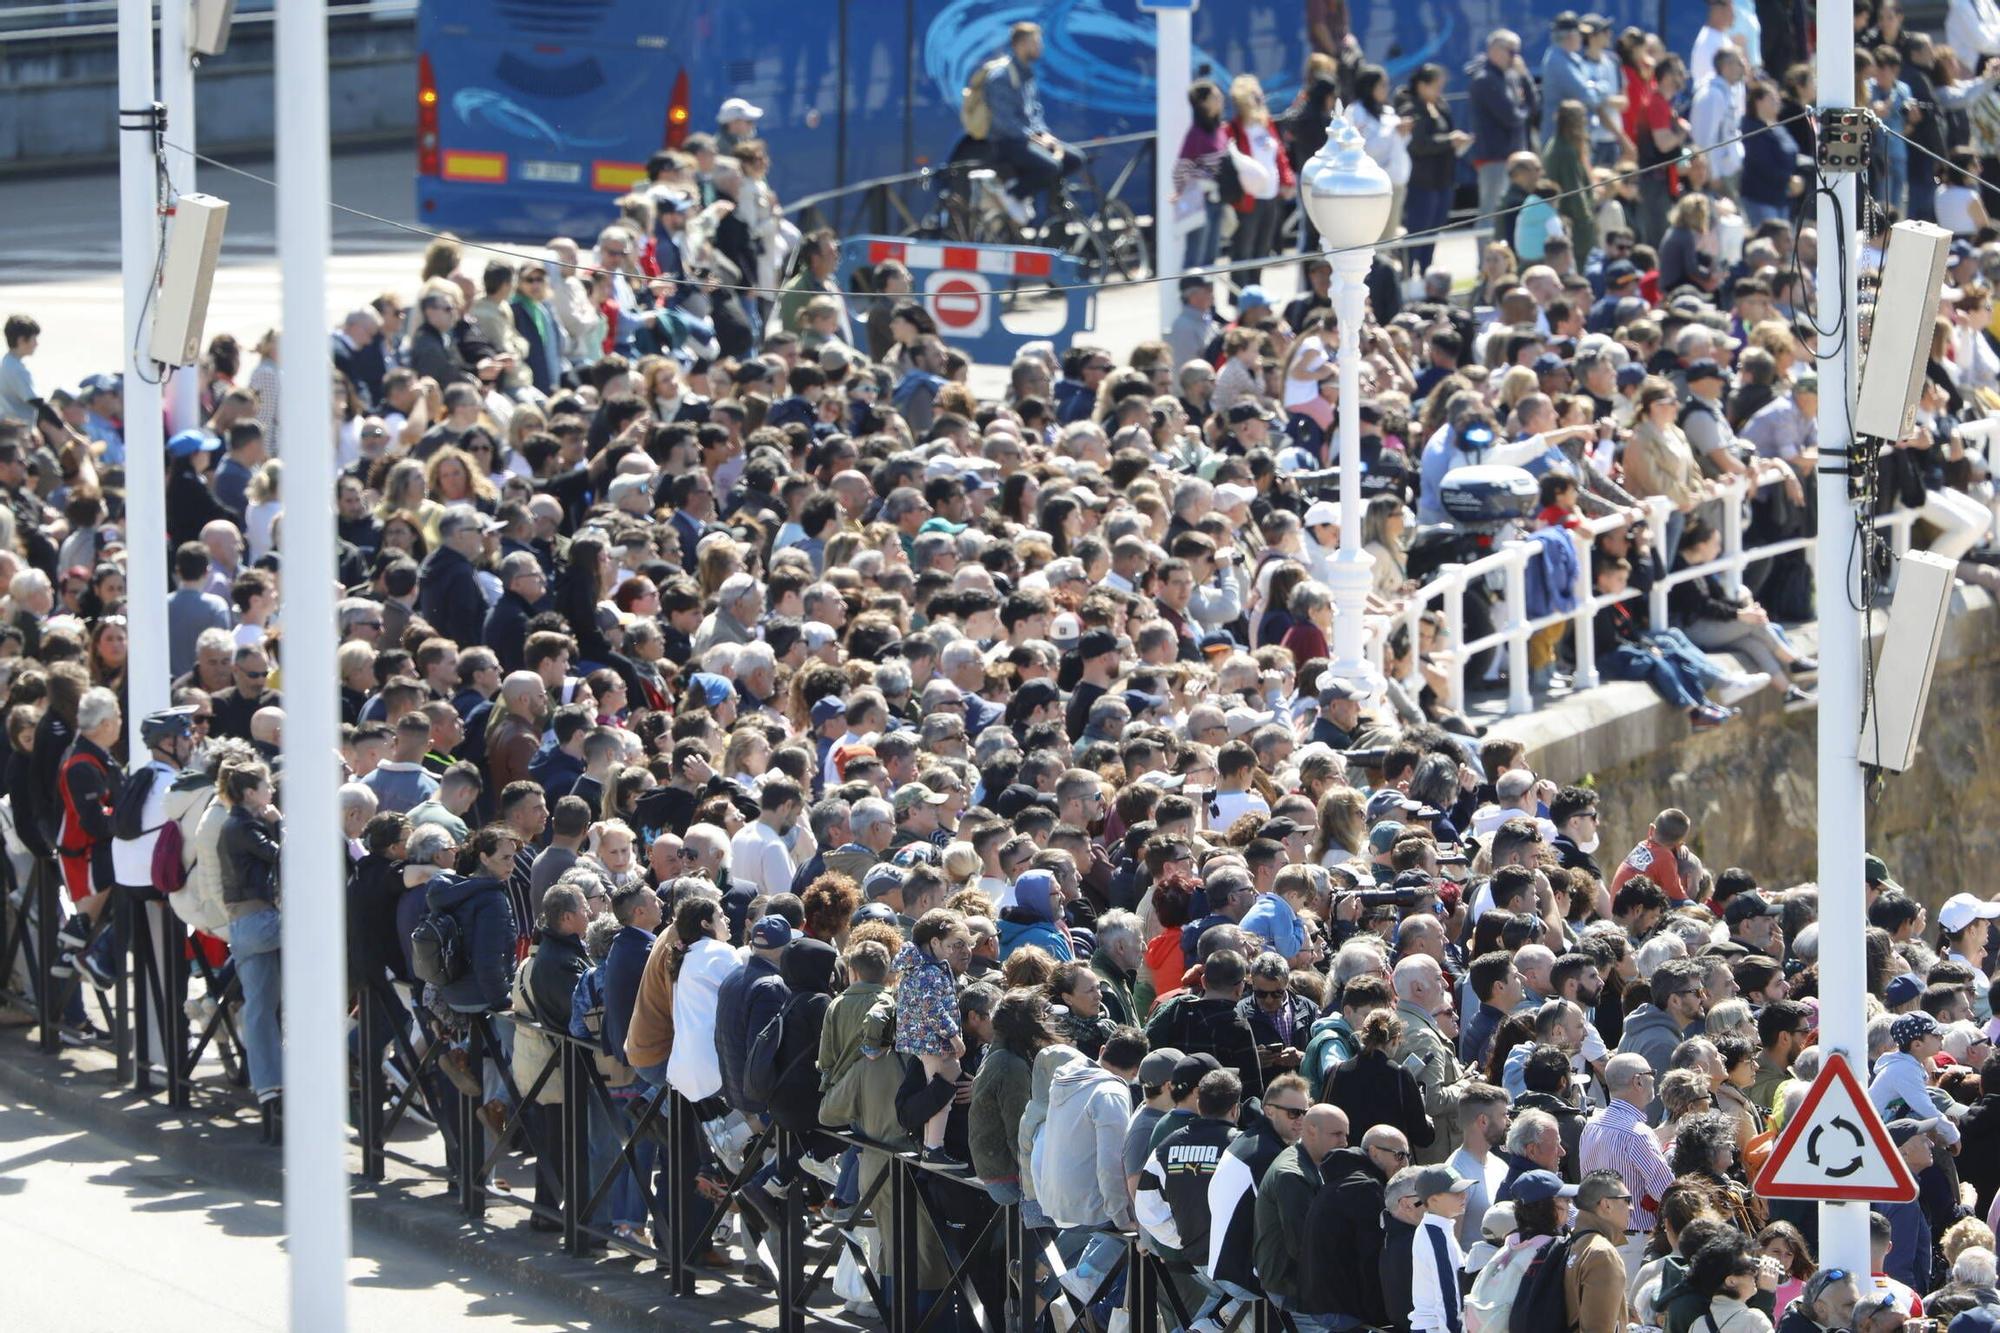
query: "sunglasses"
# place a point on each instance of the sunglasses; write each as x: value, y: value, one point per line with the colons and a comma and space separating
x: 1291, y: 1112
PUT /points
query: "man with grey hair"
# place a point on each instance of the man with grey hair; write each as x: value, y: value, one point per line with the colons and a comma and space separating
x: 448, y: 593
x: 1423, y: 1002
x: 739, y: 605
x: 1534, y: 1143
x: 1120, y: 950
x: 523, y: 586
x: 707, y: 847
x: 870, y: 827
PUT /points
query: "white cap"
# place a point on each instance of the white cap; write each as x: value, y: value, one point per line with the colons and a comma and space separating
x: 736, y: 108
x: 1229, y: 494
x: 1322, y: 511
x: 1065, y: 628
x: 1962, y: 909
x: 816, y: 635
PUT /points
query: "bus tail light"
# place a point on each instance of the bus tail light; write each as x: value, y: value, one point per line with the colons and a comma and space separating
x: 427, y: 118
x: 677, y: 111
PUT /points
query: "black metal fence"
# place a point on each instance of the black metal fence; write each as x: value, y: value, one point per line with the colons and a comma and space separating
x: 584, y: 1137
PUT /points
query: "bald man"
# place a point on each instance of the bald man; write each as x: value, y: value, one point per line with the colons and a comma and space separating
x: 1284, y: 1201
x: 1430, y: 1035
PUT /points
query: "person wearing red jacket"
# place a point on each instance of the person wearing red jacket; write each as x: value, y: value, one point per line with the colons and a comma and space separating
x: 1253, y: 136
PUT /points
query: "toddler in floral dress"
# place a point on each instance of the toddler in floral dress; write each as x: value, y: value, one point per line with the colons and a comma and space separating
x: 927, y: 1008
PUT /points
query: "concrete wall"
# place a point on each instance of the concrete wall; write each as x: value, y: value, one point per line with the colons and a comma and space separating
x: 58, y: 100
x: 1750, y: 786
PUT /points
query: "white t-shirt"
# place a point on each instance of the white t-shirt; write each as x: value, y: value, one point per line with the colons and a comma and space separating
x: 1954, y: 209
x: 1230, y: 806
x: 1301, y: 382
x: 759, y: 857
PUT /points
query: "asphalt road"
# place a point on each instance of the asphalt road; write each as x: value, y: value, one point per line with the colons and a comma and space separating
x: 94, y: 1236
x: 59, y: 262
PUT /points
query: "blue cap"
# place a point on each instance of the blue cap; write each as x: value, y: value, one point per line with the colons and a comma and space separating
x: 1535, y: 1186
x: 1630, y: 374
x: 828, y: 708
x: 771, y: 932
x: 1250, y: 298
x: 1139, y: 701
x: 1548, y: 363
x: 187, y: 443
x: 714, y: 689
x: 1618, y: 270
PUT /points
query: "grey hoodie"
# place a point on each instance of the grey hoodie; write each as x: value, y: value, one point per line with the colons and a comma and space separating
x: 1650, y: 1032
x: 1079, y: 1165
x: 1047, y: 1063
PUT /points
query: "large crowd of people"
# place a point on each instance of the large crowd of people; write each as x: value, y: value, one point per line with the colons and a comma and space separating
x: 730, y: 687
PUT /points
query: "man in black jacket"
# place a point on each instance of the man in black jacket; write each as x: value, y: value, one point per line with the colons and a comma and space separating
x: 1171, y: 1202
x: 1979, y: 1150
x: 448, y: 593
x: 1346, y: 1222
x: 749, y: 998
x: 1402, y: 1214
x: 559, y: 962
x: 506, y: 630
x: 1212, y: 1022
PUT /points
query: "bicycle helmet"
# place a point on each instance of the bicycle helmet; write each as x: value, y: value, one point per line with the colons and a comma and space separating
x: 166, y: 725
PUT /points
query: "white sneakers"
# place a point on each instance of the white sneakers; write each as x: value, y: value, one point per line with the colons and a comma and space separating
x: 1735, y: 689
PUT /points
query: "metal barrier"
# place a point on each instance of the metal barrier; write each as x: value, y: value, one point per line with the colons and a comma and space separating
x: 1002, y: 1274
x: 1513, y: 627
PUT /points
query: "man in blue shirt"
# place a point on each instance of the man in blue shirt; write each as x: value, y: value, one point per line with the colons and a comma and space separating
x: 1020, y: 138
x: 1566, y: 76
x: 104, y: 415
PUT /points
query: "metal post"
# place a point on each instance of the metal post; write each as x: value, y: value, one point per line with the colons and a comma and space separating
x: 369, y: 1080
x: 177, y: 95
x: 1843, y: 813
x: 678, y: 1167
x: 43, y: 888
x: 1352, y: 576
x: 315, y: 928
x: 791, y: 1248
x: 145, y: 443
x: 1519, y: 700
x: 575, y: 1143
x: 1174, y: 71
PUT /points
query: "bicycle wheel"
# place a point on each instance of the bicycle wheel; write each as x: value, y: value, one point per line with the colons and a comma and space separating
x: 1124, y: 243
x: 1077, y: 236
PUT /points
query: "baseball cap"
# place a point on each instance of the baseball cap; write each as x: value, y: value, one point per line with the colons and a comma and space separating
x: 187, y: 443
x: 1383, y: 836
x: 1440, y: 1180
x: 1065, y: 630
x: 771, y: 932
x: 1157, y: 1069
x: 1189, y: 1070
x: 1194, y: 278
x: 1620, y: 270
x: 1230, y: 494
x: 1494, y: 1229
x: 1139, y: 701
x: 1279, y: 827
x: 1387, y: 801
x: 1548, y: 363
x: 1903, y: 1129
x: 1321, y: 511
x: 880, y: 880
x: 872, y: 911
x: 1751, y: 905
x: 1337, y: 690
x: 1096, y: 643
x: 1250, y: 298
x: 1962, y: 909
x: 1535, y: 1186
x: 1705, y: 369
x: 1874, y: 871
x: 737, y: 108
x: 817, y: 635
x: 1247, y: 411
x: 1912, y: 1027
x: 1631, y: 373
x: 826, y: 709
x: 912, y: 794
x: 1979, y: 1319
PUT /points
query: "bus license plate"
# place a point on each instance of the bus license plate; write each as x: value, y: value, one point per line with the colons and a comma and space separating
x: 553, y: 173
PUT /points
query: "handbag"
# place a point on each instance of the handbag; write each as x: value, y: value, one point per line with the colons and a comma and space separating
x: 1257, y: 180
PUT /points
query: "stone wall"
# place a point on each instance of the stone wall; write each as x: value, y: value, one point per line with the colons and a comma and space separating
x: 1750, y: 786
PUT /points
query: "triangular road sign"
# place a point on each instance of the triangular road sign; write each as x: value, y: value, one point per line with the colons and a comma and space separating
x: 1834, y: 1147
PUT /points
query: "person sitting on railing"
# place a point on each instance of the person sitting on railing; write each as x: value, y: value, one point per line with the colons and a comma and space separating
x: 1713, y: 619
x: 1625, y: 651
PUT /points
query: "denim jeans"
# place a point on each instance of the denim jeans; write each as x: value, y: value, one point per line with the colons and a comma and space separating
x: 1310, y: 1323
x: 1424, y: 210
x: 253, y: 943
x: 1205, y: 241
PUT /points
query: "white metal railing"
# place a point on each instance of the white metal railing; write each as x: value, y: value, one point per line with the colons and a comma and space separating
x: 1513, y: 627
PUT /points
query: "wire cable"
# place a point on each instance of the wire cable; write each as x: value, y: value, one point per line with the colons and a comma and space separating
x: 750, y: 289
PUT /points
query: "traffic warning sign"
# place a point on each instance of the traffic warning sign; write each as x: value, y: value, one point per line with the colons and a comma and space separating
x: 1836, y: 1148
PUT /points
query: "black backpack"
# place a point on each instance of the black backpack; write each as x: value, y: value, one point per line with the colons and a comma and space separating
x: 760, y: 1063
x: 128, y: 812
x: 437, y: 949
x: 1542, y: 1304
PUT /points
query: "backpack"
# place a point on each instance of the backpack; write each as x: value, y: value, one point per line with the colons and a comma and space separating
x: 974, y: 115
x: 1490, y: 1304
x: 437, y: 949
x: 760, y: 1063
x: 1541, y: 1304
x: 128, y: 812
x: 169, y: 874
x: 534, y: 1049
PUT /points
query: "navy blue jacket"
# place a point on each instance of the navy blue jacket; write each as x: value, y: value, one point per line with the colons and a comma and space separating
x: 748, y: 998
x: 448, y: 596
x: 506, y: 629
x: 1502, y: 103
x: 623, y: 968
x: 486, y: 922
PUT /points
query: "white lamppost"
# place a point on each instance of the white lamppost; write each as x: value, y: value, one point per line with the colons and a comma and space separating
x: 1346, y: 194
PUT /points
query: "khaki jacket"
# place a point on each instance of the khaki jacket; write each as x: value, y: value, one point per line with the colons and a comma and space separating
x: 1441, y: 1078
x: 1594, y: 1282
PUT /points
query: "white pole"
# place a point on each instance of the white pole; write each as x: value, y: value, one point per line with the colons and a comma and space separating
x: 177, y: 95
x: 145, y: 445
x: 1843, y: 836
x: 1174, y: 115
x: 315, y: 988
x: 1352, y: 568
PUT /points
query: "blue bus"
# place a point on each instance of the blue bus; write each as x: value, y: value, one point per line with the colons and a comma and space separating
x: 534, y: 114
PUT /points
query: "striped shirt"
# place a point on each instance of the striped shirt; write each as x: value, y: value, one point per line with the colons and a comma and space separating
x: 1618, y: 1139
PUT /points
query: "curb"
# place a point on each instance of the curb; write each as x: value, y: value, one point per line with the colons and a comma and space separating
x: 215, y: 1151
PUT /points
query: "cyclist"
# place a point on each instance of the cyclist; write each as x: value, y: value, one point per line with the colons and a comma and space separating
x: 1020, y: 141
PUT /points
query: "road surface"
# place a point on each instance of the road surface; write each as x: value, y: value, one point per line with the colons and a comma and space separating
x: 59, y: 262
x: 95, y: 1235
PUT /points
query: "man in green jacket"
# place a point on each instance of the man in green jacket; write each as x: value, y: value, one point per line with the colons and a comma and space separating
x: 1120, y: 950
x: 1284, y: 1197
x: 1424, y: 1004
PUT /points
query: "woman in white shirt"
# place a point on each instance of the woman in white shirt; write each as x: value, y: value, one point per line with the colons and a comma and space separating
x: 1307, y: 370
x: 1959, y: 210
x: 701, y: 962
x: 1386, y: 136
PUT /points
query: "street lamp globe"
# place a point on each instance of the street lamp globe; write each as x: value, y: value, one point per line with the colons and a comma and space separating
x: 1345, y: 192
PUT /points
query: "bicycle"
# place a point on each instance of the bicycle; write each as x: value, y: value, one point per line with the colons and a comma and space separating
x: 1107, y: 240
